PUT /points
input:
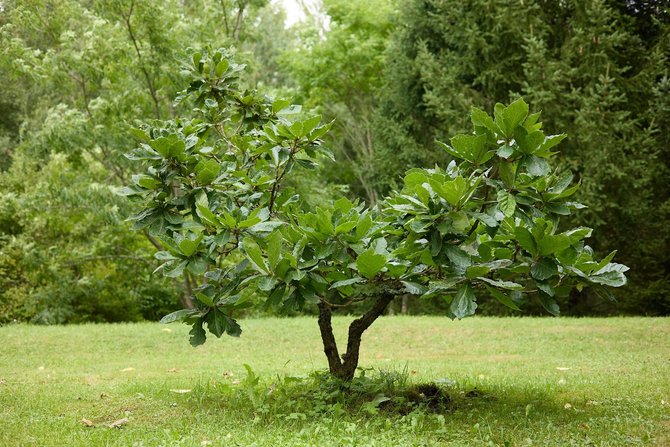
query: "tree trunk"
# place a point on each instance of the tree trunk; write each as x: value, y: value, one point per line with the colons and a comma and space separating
x: 403, y: 305
x: 345, y: 368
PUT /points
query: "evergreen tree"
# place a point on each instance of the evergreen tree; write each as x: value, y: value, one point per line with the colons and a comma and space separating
x: 597, y: 69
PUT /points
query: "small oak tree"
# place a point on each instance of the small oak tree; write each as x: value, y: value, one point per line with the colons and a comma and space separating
x: 214, y: 194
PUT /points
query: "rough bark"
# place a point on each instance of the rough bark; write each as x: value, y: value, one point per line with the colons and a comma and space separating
x: 329, y: 343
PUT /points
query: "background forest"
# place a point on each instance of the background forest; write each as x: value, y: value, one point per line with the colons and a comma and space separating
x: 394, y: 75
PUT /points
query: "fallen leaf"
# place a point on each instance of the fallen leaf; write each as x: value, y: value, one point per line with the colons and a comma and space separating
x: 584, y: 425
x: 124, y: 370
x: 2, y: 381
x: 181, y: 391
x: 120, y: 423
x: 174, y: 370
x: 88, y: 422
x: 228, y: 374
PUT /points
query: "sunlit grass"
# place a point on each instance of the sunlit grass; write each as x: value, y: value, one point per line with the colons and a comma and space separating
x: 536, y: 381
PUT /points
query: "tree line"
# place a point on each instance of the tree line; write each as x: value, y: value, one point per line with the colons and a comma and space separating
x: 395, y: 77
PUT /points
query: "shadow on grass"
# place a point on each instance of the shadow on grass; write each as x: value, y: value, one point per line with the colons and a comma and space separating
x: 376, y: 396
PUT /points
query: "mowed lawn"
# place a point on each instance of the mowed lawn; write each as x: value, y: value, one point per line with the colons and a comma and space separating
x: 515, y: 381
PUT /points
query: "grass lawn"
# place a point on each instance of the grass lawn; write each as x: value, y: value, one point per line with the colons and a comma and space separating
x: 517, y: 382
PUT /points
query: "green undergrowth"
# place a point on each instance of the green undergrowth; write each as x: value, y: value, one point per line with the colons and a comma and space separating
x: 426, y: 381
x: 320, y: 395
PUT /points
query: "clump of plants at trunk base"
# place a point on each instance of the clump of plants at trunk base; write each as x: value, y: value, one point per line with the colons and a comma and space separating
x: 215, y: 196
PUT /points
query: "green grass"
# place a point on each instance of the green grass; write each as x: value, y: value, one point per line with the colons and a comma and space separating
x: 613, y: 373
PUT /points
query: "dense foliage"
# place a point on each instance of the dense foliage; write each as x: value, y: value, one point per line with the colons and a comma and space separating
x: 75, y: 76
x: 598, y: 70
x: 213, y: 194
x: 394, y: 76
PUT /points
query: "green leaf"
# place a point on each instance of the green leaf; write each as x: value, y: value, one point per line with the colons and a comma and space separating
x: 310, y: 124
x: 413, y: 288
x: 197, y: 333
x: 280, y: 104
x: 487, y: 220
x: 505, y: 151
x: 537, y: 167
x: 545, y: 287
x: 175, y: 269
x: 501, y: 297
x: 197, y: 57
x: 274, y: 249
x: 216, y: 322
x: 345, y: 227
x: 363, y: 226
x: 233, y: 328
x: 549, y: 304
x: 188, y: 247
x: 267, y: 283
x: 459, y: 258
x: 509, y: 285
x: 146, y: 181
x: 347, y: 282
x: 506, y: 203
x: 562, y: 183
x: 206, y: 215
x: 222, y: 67
x: 255, y: 255
x: 297, y: 129
x: 169, y: 147
x: 609, y: 278
x: 481, y: 118
x: 464, y: 303
x: 321, y: 131
x: 507, y: 118
x: 197, y: 266
x: 476, y: 270
x: 164, y: 256
x: 452, y: 190
x: 528, y: 142
x: 526, y: 240
x: 553, y: 244
x: 206, y: 171
x: 204, y: 299
x: 471, y: 148
x: 442, y: 285
x: 545, y: 268
x: 549, y: 142
x: 370, y: 263
x: 605, y: 261
x: 265, y: 227
x: 179, y: 315
x: 507, y: 173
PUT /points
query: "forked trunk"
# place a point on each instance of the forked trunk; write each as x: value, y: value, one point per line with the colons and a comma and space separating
x: 344, y: 368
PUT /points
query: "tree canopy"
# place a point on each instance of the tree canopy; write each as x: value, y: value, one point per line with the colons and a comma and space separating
x: 213, y: 194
